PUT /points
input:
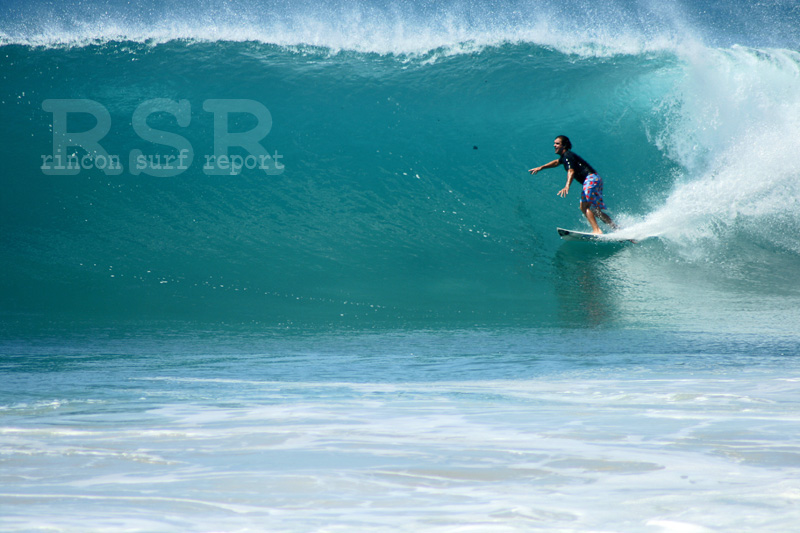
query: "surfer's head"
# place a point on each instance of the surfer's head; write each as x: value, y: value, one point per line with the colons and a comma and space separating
x: 562, y: 144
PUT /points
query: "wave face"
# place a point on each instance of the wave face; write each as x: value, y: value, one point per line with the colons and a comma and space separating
x: 404, y: 139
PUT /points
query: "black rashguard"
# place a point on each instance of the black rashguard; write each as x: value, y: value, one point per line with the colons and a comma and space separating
x: 572, y: 160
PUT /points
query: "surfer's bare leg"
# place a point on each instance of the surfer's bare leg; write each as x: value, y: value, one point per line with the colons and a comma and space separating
x: 604, y: 217
x: 589, y: 214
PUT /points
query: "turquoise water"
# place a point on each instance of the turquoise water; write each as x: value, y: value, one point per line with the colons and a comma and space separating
x: 381, y: 330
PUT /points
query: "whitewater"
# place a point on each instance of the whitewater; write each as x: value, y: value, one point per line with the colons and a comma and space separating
x: 274, y: 266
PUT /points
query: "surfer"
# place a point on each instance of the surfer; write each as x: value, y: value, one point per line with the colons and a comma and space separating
x: 578, y: 169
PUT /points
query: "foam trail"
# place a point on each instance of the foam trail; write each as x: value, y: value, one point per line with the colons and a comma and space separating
x: 734, y: 127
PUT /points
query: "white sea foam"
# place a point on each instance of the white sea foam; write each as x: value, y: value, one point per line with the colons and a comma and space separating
x: 570, y: 454
x: 733, y: 125
x: 417, y: 29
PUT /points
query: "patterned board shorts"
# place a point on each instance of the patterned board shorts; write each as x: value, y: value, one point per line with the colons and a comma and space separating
x: 592, y: 192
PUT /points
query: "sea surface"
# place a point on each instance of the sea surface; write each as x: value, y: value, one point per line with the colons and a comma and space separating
x: 280, y: 266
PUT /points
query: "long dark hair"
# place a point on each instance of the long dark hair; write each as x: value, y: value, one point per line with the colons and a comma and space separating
x: 565, y: 141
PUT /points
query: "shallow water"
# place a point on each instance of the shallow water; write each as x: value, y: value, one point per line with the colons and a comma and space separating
x: 489, y: 430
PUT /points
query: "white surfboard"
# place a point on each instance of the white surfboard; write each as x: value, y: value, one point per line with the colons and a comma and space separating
x: 572, y: 235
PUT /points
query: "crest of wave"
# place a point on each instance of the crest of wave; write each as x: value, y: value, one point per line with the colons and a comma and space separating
x: 414, y: 28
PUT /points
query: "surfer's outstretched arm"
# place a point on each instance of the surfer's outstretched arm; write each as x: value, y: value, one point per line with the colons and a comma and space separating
x: 570, y: 176
x: 552, y: 164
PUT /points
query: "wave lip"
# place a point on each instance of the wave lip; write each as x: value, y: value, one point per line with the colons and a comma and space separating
x: 419, y: 28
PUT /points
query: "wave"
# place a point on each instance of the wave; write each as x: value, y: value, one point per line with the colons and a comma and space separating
x: 406, y: 144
